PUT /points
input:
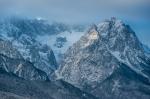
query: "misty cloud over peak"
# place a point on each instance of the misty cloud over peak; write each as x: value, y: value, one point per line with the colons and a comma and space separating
x: 135, y: 12
x: 75, y: 11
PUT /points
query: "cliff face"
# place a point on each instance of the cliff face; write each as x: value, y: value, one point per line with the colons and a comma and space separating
x: 109, y: 52
x: 12, y: 62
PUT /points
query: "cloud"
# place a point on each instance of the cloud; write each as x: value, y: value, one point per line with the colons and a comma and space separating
x: 134, y: 12
x: 74, y: 10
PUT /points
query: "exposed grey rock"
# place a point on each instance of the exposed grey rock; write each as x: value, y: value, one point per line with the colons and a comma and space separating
x: 41, y: 55
x: 21, y: 68
x: 12, y: 61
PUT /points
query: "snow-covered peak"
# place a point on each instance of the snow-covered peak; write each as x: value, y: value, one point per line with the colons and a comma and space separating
x: 39, y: 18
x: 100, y: 52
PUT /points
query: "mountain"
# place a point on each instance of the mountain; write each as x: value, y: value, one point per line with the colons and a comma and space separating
x: 22, y: 33
x: 26, y: 64
x: 109, y: 62
x: 20, y: 79
x: 35, y: 39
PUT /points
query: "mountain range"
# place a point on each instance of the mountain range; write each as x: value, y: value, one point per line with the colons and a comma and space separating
x: 39, y: 60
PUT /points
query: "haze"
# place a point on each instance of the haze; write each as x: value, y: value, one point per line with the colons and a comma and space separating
x: 134, y: 12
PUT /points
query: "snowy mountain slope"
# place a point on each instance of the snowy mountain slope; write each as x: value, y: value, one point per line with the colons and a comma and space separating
x: 22, y: 33
x: 41, y: 55
x: 100, y: 53
x: 51, y: 40
x: 34, y: 38
x: 12, y: 61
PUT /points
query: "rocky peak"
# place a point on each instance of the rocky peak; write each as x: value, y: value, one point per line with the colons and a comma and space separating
x: 100, y: 52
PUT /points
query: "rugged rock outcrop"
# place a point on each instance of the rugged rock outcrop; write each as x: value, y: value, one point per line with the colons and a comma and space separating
x: 108, y: 61
x: 21, y: 34
x: 12, y: 61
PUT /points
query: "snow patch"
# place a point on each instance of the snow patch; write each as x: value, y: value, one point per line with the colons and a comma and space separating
x: 18, y: 68
x: 116, y: 85
x: 50, y: 40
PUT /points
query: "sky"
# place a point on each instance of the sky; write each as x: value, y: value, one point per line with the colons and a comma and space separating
x: 136, y: 13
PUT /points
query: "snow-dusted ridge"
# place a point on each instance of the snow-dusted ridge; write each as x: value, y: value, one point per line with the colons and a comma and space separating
x: 36, y: 40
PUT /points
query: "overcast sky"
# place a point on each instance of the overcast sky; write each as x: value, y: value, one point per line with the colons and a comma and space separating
x: 134, y: 12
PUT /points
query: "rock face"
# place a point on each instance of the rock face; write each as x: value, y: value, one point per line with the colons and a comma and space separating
x: 41, y: 55
x: 11, y: 61
x: 108, y: 61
